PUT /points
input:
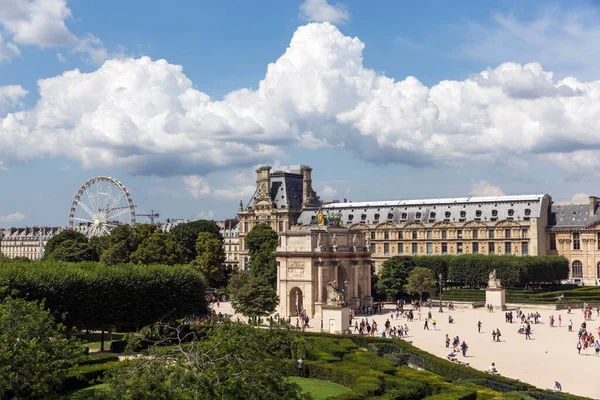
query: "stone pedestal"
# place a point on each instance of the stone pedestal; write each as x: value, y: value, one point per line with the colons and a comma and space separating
x: 336, y: 319
x: 496, y: 297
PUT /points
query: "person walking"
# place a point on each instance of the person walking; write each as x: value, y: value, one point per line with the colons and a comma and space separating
x: 597, y: 348
x: 426, y: 326
x: 494, y: 335
x: 447, y: 341
x: 579, y: 347
x: 528, y: 333
x: 300, y: 366
x: 570, y: 326
x: 479, y: 327
x: 559, y: 320
x: 463, y: 348
x: 498, y: 335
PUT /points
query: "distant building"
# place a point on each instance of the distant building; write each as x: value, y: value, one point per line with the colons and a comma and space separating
x: 231, y: 242
x: 510, y: 225
x: 279, y: 199
x: 171, y: 223
x: 26, y: 242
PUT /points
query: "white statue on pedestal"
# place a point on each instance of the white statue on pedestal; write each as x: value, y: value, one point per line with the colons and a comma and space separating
x: 493, y: 282
x: 334, y: 240
x: 319, y: 240
x: 333, y: 294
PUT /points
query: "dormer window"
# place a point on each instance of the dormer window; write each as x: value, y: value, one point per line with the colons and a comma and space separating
x: 494, y: 213
x: 390, y: 216
x: 363, y: 217
x: 376, y: 217
x: 511, y: 212
x: 478, y: 213
x: 418, y: 215
x: 463, y: 214
x: 404, y: 215
x: 350, y: 217
x: 527, y: 211
x: 432, y: 215
x: 447, y: 214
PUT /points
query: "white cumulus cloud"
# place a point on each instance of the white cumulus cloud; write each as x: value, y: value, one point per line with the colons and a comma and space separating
x: 196, y: 186
x: 322, y: 11
x: 483, y: 188
x: 327, y: 192
x: 580, y: 198
x: 41, y: 23
x: 14, y: 217
x: 11, y: 97
x: 206, y: 215
x: 147, y: 117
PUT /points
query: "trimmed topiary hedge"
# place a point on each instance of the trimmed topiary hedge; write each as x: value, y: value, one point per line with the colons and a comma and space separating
x: 85, y: 375
x: 94, y: 296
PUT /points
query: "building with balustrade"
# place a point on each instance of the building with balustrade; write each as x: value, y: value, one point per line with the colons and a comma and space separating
x: 26, y: 242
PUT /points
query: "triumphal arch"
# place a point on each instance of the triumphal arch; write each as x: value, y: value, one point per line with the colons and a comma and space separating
x: 319, y: 265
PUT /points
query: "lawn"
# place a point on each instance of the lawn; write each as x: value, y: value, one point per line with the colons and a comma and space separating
x: 85, y: 393
x: 93, y: 340
x: 318, y: 389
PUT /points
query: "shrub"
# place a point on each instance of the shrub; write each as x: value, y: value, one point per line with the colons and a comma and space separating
x: 98, y: 358
x: 82, y: 376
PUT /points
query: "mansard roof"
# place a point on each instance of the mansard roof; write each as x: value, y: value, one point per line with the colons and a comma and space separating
x: 287, y: 186
x: 569, y: 215
x: 459, y: 210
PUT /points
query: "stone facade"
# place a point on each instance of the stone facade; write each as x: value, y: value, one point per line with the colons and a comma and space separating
x: 575, y: 234
x: 231, y: 242
x: 26, y: 242
x: 513, y: 225
x: 309, y: 259
x: 278, y: 201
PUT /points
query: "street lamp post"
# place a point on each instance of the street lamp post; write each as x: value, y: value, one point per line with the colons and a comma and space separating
x: 441, y: 309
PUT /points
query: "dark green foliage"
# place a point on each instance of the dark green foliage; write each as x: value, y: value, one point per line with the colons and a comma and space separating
x: 261, y: 242
x: 230, y: 362
x: 121, y: 243
x: 34, y: 352
x: 157, y: 248
x: 98, y: 297
x: 186, y: 235
x: 85, y: 375
x: 394, y: 275
x: 67, y: 234
x: 210, y: 258
x: 97, y: 358
x: 255, y: 298
x: 419, y: 281
x: 100, y: 244
x: 70, y: 246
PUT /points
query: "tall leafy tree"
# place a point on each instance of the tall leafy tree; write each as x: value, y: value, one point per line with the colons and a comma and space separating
x: 73, y: 251
x: 255, y: 298
x: 186, y: 235
x: 34, y: 351
x: 393, y: 276
x: 210, y: 258
x: 420, y: 280
x: 262, y: 242
x: 158, y: 248
x: 121, y: 243
x: 67, y: 234
x: 100, y: 244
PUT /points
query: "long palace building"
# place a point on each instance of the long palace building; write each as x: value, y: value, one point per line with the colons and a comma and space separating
x: 504, y: 225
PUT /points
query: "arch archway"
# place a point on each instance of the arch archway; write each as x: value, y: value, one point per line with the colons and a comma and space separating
x: 296, y: 302
x: 343, y: 282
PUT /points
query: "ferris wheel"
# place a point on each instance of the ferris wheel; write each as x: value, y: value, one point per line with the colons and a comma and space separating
x: 100, y: 204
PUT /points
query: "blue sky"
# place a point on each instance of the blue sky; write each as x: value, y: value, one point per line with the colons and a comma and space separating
x: 384, y: 99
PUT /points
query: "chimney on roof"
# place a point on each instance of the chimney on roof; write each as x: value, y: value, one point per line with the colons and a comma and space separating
x: 263, y: 182
x: 307, y: 199
x: 593, y: 204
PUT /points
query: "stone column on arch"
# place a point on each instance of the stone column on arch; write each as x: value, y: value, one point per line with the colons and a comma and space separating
x: 367, y: 270
x: 320, y: 285
x: 355, y: 267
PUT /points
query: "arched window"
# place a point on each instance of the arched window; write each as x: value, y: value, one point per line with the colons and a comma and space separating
x: 577, y: 271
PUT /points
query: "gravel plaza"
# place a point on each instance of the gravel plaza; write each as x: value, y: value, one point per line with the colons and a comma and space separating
x: 550, y: 355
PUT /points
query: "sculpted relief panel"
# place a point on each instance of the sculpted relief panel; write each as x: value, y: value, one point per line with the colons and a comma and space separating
x: 296, y: 270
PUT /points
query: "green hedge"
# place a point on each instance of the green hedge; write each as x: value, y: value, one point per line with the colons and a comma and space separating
x: 85, y: 375
x: 94, y: 296
x: 99, y: 358
x: 474, y: 269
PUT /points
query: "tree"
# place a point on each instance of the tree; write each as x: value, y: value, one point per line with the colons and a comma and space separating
x: 158, y: 248
x: 34, y: 352
x: 419, y: 281
x: 256, y: 298
x: 93, y: 296
x: 121, y: 243
x: 186, y: 235
x: 393, y: 276
x: 73, y: 251
x: 262, y: 242
x: 67, y: 234
x: 210, y: 258
x: 100, y: 244
x: 227, y: 362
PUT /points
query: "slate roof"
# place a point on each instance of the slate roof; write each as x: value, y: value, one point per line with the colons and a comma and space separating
x: 570, y: 215
x: 286, y: 186
x: 434, y: 210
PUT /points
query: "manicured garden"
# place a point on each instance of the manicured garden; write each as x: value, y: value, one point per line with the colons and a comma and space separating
x: 554, y: 295
x: 319, y: 389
